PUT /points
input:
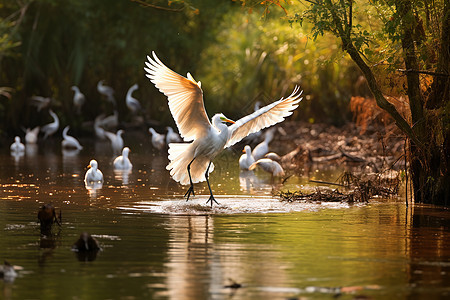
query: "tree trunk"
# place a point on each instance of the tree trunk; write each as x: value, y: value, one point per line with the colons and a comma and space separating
x: 428, y: 155
x: 429, y: 165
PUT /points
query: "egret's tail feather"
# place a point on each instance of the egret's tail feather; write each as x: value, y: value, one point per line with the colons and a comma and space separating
x: 180, y: 155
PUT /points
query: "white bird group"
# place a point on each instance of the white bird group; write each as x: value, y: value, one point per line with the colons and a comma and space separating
x: 261, y: 157
x: 160, y: 140
x: 95, y: 176
x: 192, y: 162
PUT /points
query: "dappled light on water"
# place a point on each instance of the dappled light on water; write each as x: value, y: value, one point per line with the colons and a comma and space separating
x: 251, y: 245
x: 230, y: 204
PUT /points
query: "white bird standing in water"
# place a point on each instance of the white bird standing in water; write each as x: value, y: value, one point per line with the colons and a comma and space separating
x: 106, y: 91
x: 31, y: 135
x: 70, y: 141
x: 99, y: 131
x: 263, y: 148
x: 132, y: 103
x: 17, y: 146
x: 111, y: 121
x: 116, y: 140
x: 191, y: 162
x: 78, y: 98
x: 172, y: 136
x: 51, y: 128
x: 273, y: 156
x: 269, y: 166
x: 122, y: 162
x: 158, y: 139
x: 93, y: 175
x: 246, y: 159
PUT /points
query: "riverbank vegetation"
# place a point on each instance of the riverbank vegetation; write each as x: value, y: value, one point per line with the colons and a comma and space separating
x: 385, y: 61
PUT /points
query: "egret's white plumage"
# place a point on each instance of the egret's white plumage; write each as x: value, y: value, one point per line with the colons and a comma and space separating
x: 116, y: 140
x: 246, y: 159
x: 40, y: 102
x: 78, y: 99
x: 93, y: 175
x: 31, y: 135
x: 256, y: 136
x: 172, y: 136
x: 122, y: 162
x: 17, y: 146
x: 52, y: 127
x: 269, y: 166
x: 263, y: 148
x: 99, y: 131
x: 111, y: 121
x: 158, y: 139
x: 190, y: 163
x: 106, y: 91
x: 70, y: 141
x: 273, y: 156
x: 132, y: 103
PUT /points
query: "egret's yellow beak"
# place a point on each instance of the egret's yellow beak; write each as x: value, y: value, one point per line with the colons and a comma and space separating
x: 243, y: 150
x: 89, y: 166
x: 227, y: 120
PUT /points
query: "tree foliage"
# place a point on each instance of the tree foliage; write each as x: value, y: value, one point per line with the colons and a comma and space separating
x: 412, y: 39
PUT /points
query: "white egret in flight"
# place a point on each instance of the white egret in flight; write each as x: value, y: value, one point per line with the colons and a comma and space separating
x: 192, y: 162
x: 41, y: 102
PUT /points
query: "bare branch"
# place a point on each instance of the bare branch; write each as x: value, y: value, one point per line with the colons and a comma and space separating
x: 143, y: 3
x: 423, y: 72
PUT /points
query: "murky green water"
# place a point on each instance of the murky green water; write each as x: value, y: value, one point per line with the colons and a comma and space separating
x: 157, y: 246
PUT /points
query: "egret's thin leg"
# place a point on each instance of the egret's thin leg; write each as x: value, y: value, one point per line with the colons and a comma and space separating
x: 211, y: 198
x: 191, y: 188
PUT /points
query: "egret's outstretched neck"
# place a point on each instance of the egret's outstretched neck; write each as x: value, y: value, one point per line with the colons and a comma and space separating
x: 217, y: 122
x: 65, y: 132
x: 248, y: 151
x: 131, y: 90
x: 125, y: 152
x: 55, y: 117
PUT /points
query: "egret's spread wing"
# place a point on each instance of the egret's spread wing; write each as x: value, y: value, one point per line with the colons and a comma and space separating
x: 264, y: 117
x: 185, y: 98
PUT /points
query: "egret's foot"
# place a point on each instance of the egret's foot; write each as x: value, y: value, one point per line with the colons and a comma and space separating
x: 211, y: 199
x: 189, y: 192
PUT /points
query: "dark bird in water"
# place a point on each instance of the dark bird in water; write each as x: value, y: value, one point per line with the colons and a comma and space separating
x: 47, y: 216
x: 7, y: 272
x: 86, y: 247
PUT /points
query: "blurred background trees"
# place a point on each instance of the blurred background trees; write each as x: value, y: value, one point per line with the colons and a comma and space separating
x: 243, y: 51
x: 49, y: 45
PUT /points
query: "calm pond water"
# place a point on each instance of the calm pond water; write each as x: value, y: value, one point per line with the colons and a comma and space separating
x: 157, y: 246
